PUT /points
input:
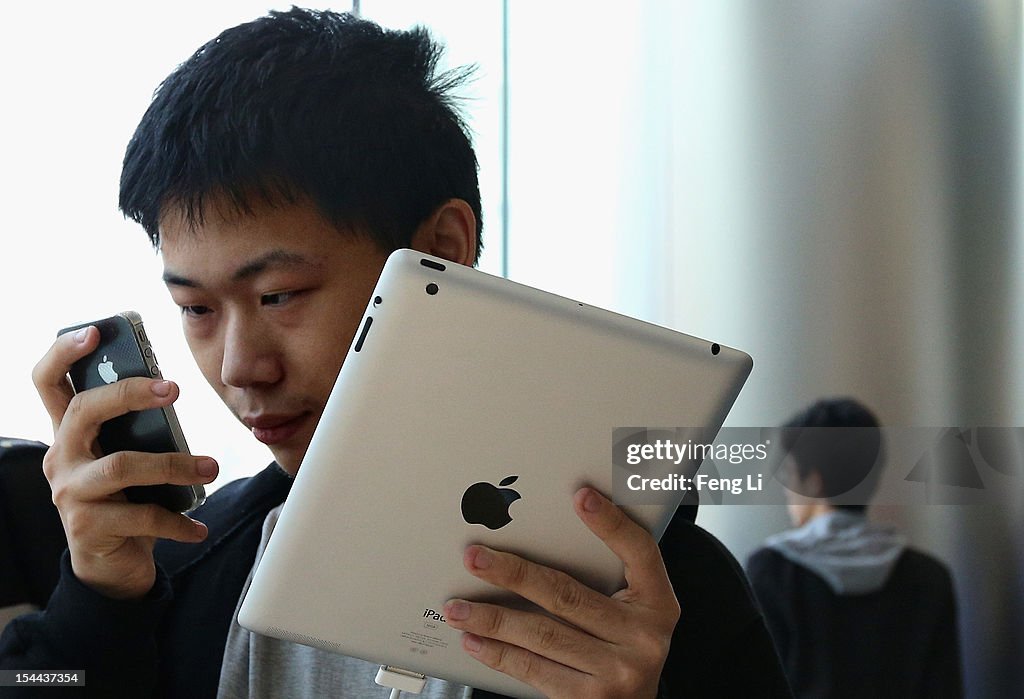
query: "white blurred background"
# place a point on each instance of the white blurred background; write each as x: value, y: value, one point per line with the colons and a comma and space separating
x: 834, y: 187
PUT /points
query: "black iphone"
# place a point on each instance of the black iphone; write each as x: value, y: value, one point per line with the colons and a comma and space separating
x: 125, y: 351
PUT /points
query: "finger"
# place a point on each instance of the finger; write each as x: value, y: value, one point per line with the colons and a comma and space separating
x: 88, y: 410
x: 635, y: 547
x: 159, y: 522
x: 50, y: 374
x: 537, y: 633
x: 117, y: 471
x: 122, y: 520
x: 555, y: 591
x: 547, y: 676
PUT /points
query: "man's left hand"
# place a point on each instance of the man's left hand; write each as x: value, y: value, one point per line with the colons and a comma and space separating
x: 597, y: 646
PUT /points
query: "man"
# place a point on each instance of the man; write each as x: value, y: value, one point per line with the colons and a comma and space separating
x: 854, y: 612
x: 274, y: 171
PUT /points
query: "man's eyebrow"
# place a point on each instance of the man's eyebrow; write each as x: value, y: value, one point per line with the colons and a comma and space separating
x: 274, y: 258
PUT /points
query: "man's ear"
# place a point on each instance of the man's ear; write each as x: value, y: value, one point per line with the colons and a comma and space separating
x: 814, y: 486
x: 449, y: 233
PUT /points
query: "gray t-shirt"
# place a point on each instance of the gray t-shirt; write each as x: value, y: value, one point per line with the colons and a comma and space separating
x: 261, y: 667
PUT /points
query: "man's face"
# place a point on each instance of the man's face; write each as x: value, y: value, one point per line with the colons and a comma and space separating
x: 270, y: 303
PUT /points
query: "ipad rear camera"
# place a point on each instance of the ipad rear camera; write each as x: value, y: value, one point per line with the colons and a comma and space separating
x: 716, y: 348
x: 431, y: 288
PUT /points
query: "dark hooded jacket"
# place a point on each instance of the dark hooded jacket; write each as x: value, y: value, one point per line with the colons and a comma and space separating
x: 854, y: 612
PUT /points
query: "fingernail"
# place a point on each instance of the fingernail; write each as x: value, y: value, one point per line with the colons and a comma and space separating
x: 206, y: 466
x: 483, y: 559
x: 471, y: 642
x: 592, y: 502
x: 457, y: 610
x: 201, y: 530
x: 80, y: 335
x: 161, y: 388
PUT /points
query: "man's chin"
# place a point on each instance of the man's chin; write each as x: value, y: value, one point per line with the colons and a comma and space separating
x: 288, y: 458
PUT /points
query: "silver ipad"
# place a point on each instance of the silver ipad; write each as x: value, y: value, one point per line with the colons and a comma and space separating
x: 469, y: 410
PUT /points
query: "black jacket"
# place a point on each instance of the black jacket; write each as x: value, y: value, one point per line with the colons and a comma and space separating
x: 171, y: 642
x: 898, y: 641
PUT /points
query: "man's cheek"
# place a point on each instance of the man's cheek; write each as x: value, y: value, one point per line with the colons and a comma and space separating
x: 210, y: 360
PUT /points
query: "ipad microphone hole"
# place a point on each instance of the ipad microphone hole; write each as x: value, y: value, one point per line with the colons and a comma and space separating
x: 716, y: 348
x: 432, y: 288
x: 433, y: 265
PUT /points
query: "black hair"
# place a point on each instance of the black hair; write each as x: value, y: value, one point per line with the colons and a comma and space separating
x: 844, y: 458
x: 310, y: 105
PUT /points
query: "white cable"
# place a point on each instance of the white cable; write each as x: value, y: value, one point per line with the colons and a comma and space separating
x: 400, y: 680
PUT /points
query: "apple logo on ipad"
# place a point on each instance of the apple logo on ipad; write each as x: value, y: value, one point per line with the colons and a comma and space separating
x: 107, y: 372
x: 486, y: 504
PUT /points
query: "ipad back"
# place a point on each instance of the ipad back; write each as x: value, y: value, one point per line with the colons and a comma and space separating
x: 465, y: 397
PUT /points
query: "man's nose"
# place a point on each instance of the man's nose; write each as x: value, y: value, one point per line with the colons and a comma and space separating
x: 251, y: 355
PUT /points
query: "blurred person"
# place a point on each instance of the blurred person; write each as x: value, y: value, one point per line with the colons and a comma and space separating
x: 853, y: 610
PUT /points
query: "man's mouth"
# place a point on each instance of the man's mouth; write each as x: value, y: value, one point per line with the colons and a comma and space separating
x: 273, y: 429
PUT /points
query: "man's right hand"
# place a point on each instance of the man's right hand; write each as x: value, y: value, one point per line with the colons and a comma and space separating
x: 110, y: 539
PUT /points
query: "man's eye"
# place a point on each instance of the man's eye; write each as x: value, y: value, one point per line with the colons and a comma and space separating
x: 195, y: 310
x: 278, y: 298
